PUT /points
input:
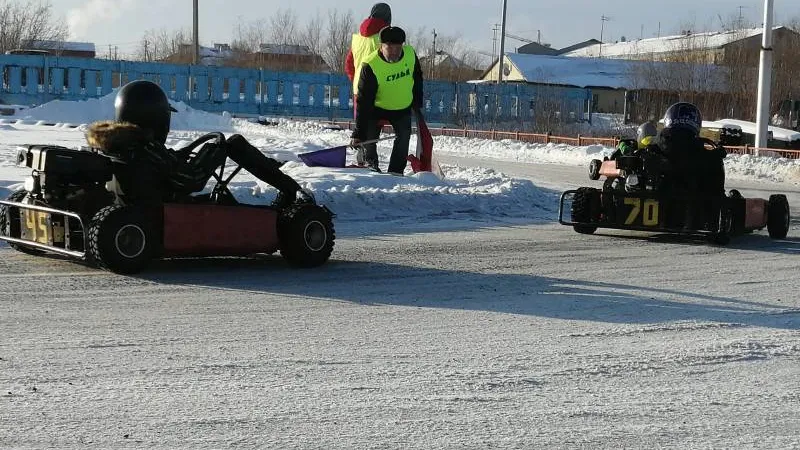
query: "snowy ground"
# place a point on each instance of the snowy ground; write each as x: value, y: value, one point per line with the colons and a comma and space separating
x: 454, y: 314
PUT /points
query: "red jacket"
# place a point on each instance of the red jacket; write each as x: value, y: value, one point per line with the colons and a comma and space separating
x: 369, y: 27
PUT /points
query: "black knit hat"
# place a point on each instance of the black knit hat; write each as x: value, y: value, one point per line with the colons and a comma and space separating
x: 381, y: 11
x: 393, y: 35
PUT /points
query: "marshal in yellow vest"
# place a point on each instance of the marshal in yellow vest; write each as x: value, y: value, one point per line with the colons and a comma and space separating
x: 362, y: 47
x: 395, y: 80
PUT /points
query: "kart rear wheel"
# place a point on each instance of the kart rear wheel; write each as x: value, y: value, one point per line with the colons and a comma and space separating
x: 594, y: 169
x: 724, y: 228
x: 8, y: 216
x: 778, y: 217
x: 585, y: 208
x: 121, y: 239
x: 306, y: 235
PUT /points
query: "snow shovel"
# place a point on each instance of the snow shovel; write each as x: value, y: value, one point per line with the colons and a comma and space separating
x: 360, y: 159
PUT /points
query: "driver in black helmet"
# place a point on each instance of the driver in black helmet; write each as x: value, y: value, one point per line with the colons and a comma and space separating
x: 153, y: 173
x: 697, y: 171
x: 680, y: 141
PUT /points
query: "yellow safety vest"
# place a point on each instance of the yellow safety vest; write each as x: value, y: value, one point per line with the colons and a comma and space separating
x: 362, y: 47
x: 395, y: 80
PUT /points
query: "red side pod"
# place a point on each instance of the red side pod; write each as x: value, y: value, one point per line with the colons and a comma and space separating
x: 215, y: 230
x: 755, y: 213
x: 609, y: 169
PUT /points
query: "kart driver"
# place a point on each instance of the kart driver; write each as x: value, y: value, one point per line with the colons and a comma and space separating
x: 153, y: 173
x: 645, y: 135
x: 680, y: 142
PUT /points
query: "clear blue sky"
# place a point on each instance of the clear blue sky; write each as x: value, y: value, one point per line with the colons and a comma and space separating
x: 561, y: 22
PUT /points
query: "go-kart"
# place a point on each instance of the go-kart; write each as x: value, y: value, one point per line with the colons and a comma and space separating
x: 643, y: 192
x: 70, y: 206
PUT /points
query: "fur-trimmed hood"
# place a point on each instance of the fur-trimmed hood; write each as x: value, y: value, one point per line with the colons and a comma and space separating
x: 116, y: 138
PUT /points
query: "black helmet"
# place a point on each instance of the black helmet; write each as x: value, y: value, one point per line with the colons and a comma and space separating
x: 143, y: 103
x: 381, y: 11
x: 647, y: 129
x: 683, y: 115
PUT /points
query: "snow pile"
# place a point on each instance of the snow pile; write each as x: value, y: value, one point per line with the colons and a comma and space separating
x: 102, y: 108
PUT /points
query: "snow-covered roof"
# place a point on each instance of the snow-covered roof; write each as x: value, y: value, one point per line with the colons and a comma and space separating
x: 63, y: 45
x: 780, y: 134
x: 616, y: 73
x: 285, y: 49
x: 667, y: 44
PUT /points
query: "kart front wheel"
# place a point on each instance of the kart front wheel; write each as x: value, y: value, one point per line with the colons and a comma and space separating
x: 306, y: 235
x: 585, y: 208
x: 121, y: 239
x: 9, y: 216
x: 594, y: 169
x: 778, y: 216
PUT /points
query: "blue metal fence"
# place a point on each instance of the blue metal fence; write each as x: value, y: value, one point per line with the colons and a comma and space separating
x: 33, y: 79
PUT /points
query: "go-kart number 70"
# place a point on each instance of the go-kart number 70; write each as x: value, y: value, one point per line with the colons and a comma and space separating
x: 647, y: 209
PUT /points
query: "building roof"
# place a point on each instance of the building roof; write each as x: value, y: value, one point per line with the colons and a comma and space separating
x: 667, y: 44
x: 578, y: 45
x: 616, y: 73
x: 444, y: 59
x: 63, y: 45
x: 285, y: 49
x: 534, y: 48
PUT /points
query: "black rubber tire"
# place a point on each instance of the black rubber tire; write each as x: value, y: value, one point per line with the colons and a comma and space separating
x: 120, y: 239
x: 585, y: 208
x: 5, y: 225
x: 723, y: 234
x: 594, y: 169
x: 306, y: 235
x: 778, y: 217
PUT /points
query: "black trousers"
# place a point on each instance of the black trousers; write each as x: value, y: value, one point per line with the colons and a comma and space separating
x: 237, y: 148
x: 401, y: 122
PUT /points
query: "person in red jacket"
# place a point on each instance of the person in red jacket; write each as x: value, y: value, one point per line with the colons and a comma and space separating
x: 380, y: 17
x: 363, y: 44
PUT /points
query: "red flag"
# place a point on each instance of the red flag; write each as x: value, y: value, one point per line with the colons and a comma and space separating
x: 423, y: 161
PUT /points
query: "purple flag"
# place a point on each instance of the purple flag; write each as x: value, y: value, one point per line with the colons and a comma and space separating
x: 329, y: 157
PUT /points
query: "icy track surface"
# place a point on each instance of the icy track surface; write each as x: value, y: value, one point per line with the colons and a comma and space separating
x: 454, y: 314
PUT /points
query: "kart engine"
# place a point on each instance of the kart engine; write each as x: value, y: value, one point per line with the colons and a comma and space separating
x: 67, y: 179
x: 643, y: 172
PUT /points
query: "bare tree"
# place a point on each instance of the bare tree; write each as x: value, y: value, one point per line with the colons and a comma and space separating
x: 29, y: 23
x: 337, y: 38
x: 249, y: 36
x: 311, y: 36
x: 283, y: 27
x: 163, y: 44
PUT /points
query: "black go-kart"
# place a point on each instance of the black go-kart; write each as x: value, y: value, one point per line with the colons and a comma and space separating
x: 645, y: 192
x: 70, y: 206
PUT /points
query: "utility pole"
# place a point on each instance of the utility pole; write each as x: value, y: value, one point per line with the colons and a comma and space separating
x: 539, y: 37
x: 741, y: 19
x: 196, y: 30
x: 494, y: 38
x: 196, y: 48
x: 603, y: 20
x: 145, y: 51
x: 433, y: 57
x: 764, y: 80
x: 500, y: 63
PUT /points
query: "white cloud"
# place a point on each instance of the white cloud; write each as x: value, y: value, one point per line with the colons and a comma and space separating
x: 80, y: 20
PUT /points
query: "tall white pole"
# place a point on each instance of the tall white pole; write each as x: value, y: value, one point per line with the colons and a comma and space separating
x: 500, y: 62
x: 196, y: 38
x: 764, y: 79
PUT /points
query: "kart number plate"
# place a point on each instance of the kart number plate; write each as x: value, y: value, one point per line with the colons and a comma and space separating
x: 642, y: 212
x: 41, y: 227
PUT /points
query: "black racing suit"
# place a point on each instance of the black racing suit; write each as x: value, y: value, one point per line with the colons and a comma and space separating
x: 697, y: 173
x: 151, y: 173
x: 368, y: 116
